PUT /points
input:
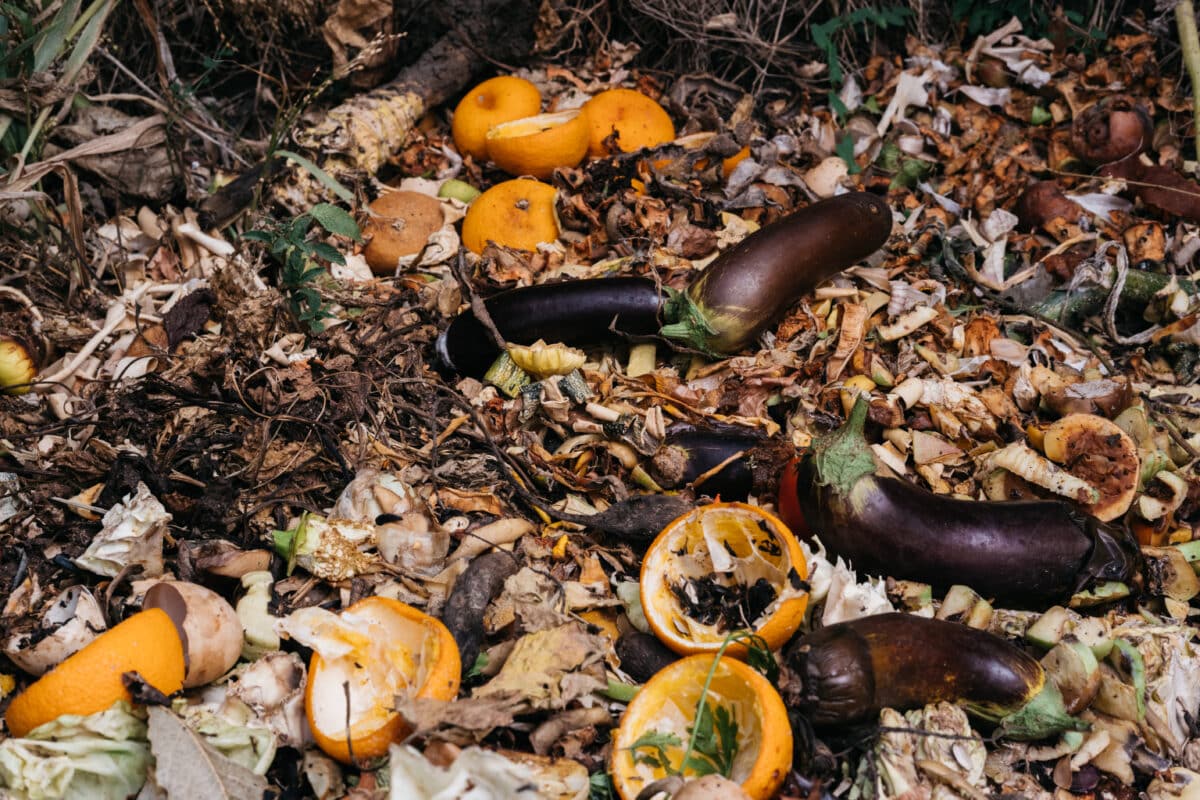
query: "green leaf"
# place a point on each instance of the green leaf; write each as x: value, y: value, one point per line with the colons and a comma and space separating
x: 336, y: 220
x: 1039, y: 116
x: 328, y: 252
x: 842, y: 457
x: 325, y: 179
x: 845, y: 150
x: 257, y: 236
x: 481, y: 662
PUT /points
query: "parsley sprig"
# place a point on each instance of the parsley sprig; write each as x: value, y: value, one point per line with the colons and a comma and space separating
x: 713, y: 735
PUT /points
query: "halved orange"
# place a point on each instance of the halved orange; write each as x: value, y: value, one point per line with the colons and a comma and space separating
x: 373, y: 651
x: 538, y: 145
x: 518, y: 213
x: 720, y: 568
x: 492, y: 102
x: 90, y: 680
x: 667, y: 705
x: 637, y: 120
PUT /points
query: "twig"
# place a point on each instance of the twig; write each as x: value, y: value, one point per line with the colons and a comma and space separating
x: 477, y: 305
x: 1189, y: 42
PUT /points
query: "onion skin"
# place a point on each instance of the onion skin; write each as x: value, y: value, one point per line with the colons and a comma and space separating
x: 750, y: 286
x: 573, y: 312
x: 1022, y: 554
x: 850, y: 671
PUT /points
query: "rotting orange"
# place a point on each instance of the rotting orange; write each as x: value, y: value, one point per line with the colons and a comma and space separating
x: 720, y: 568
x: 497, y: 100
x: 637, y: 120
x: 538, y: 145
x: 667, y: 705
x: 373, y: 651
x: 89, y: 681
x: 398, y: 225
x: 518, y: 213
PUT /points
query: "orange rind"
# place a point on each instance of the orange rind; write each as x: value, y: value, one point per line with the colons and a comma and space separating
x: 667, y: 706
x: 730, y: 550
x: 637, y: 121
x: 363, y: 659
x: 90, y: 680
x: 497, y: 100
x: 519, y: 214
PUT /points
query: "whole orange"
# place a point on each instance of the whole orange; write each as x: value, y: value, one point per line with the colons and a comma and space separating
x: 518, y: 213
x: 492, y: 102
x: 637, y: 120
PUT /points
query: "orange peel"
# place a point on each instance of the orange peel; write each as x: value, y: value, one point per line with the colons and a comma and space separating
x: 637, y: 120
x: 540, y: 144
x: 374, y: 650
x: 90, y: 680
x: 518, y: 213
x: 667, y: 705
x: 724, y: 548
x: 496, y: 100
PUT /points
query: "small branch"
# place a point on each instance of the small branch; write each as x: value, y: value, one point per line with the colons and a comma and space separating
x: 1189, y: 42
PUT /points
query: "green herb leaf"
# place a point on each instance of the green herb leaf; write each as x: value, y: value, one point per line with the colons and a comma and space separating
x: 336, y: 220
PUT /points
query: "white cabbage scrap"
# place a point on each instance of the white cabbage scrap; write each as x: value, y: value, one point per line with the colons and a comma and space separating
x: 1172, y: 659
x: 476, y: 774
x: 132, y: 534
x: 102, y: 756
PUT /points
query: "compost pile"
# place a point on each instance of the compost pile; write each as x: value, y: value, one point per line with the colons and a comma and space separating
x: 601, y: 432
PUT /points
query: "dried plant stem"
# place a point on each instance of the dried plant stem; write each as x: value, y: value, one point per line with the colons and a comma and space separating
x: 1189, y: 41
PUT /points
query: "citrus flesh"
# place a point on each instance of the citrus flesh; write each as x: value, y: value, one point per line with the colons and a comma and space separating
x: 90, y: 680
x: 666, y: 707
x: 720, y: 568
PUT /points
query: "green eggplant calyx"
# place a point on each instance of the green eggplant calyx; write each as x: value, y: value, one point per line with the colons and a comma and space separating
x: 686, y: 322
x: 1043, y: 716
x: 842, y: 457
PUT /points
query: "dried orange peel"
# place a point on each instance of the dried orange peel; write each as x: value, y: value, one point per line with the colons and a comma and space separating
x: 90, y: 680
x: 373, y: 651
x: 540, y: 144
x: 518, y: 213
x: 492, y: 102
x: 637, y: 120
x: 666, y: 706
x: 720, y: 568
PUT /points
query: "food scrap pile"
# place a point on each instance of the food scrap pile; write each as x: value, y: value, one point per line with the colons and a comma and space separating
x: 629, y: 438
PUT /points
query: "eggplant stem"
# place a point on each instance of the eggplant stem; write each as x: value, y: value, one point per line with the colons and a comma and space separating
x: 686, y: 322
x: 1043, y: 716
x: 842, y: 457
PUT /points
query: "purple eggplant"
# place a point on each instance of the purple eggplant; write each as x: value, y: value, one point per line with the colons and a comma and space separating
x: 737, y: 297
x: 749, y: 287
x: 1022, y: 554
x: 579, y: 312
x: 850, y: 671
x: 690, y: 451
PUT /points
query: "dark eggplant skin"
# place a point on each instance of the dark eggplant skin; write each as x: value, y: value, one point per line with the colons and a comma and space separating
x: 689, y: 451
x: 576, y: 313
x: 749, y: 287
x: 850, y: 671
x: 1022, y: 554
